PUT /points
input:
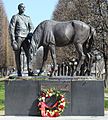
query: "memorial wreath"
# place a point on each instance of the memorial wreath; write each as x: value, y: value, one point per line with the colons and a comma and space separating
x: 51, y: 103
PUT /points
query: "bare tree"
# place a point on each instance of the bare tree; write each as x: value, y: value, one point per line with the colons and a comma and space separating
x: 6, y: 52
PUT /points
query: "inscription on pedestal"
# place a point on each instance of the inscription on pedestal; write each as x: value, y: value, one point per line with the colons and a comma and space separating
x: 62, y: 87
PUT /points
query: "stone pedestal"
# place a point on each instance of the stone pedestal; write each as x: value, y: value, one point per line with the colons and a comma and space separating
x: 84, y: 95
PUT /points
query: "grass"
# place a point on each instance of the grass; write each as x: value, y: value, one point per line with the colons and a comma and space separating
x: 2, y: 96
x: 106, y: 99
x: 106, y: 104
x: 106, y: 90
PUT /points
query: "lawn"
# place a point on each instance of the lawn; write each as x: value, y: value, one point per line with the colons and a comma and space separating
x: 2, y: 96
x: 106, y: 99
x: 106, y: 90
x: 106, y: 104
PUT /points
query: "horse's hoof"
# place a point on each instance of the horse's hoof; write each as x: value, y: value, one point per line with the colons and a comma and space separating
x: 39, y: 74
x: 50, y: 76
x: 30, y: 74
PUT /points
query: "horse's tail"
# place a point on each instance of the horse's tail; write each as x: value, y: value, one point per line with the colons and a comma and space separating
x: 89, y: 43
x: 92, y: 37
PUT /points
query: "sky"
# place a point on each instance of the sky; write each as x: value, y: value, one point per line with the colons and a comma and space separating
x: 38, y: 10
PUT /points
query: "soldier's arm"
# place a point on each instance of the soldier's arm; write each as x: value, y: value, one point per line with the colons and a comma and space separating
x: 12, y: 28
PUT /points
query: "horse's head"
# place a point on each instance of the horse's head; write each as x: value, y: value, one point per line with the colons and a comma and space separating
x: 37, y: 36
x: 35, y: 40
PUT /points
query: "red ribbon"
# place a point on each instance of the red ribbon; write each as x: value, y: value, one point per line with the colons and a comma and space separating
x: 44, y: 106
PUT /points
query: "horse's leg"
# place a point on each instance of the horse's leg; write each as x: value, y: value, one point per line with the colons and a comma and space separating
x: 79, y: 48
x: 45, y: 55
x: 91, y: 58
x: 83, y: 69
x: 53, y: 55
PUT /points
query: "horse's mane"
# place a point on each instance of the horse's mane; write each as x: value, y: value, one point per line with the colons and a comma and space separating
x: 38, y: 33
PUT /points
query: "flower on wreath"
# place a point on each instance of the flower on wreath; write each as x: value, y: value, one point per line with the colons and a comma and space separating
x: 49, y: 109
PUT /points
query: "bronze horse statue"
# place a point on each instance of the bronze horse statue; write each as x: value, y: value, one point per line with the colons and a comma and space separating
x: 51, y: 34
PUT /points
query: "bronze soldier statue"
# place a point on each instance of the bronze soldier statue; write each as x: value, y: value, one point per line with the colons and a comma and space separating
x: 21, y: 29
